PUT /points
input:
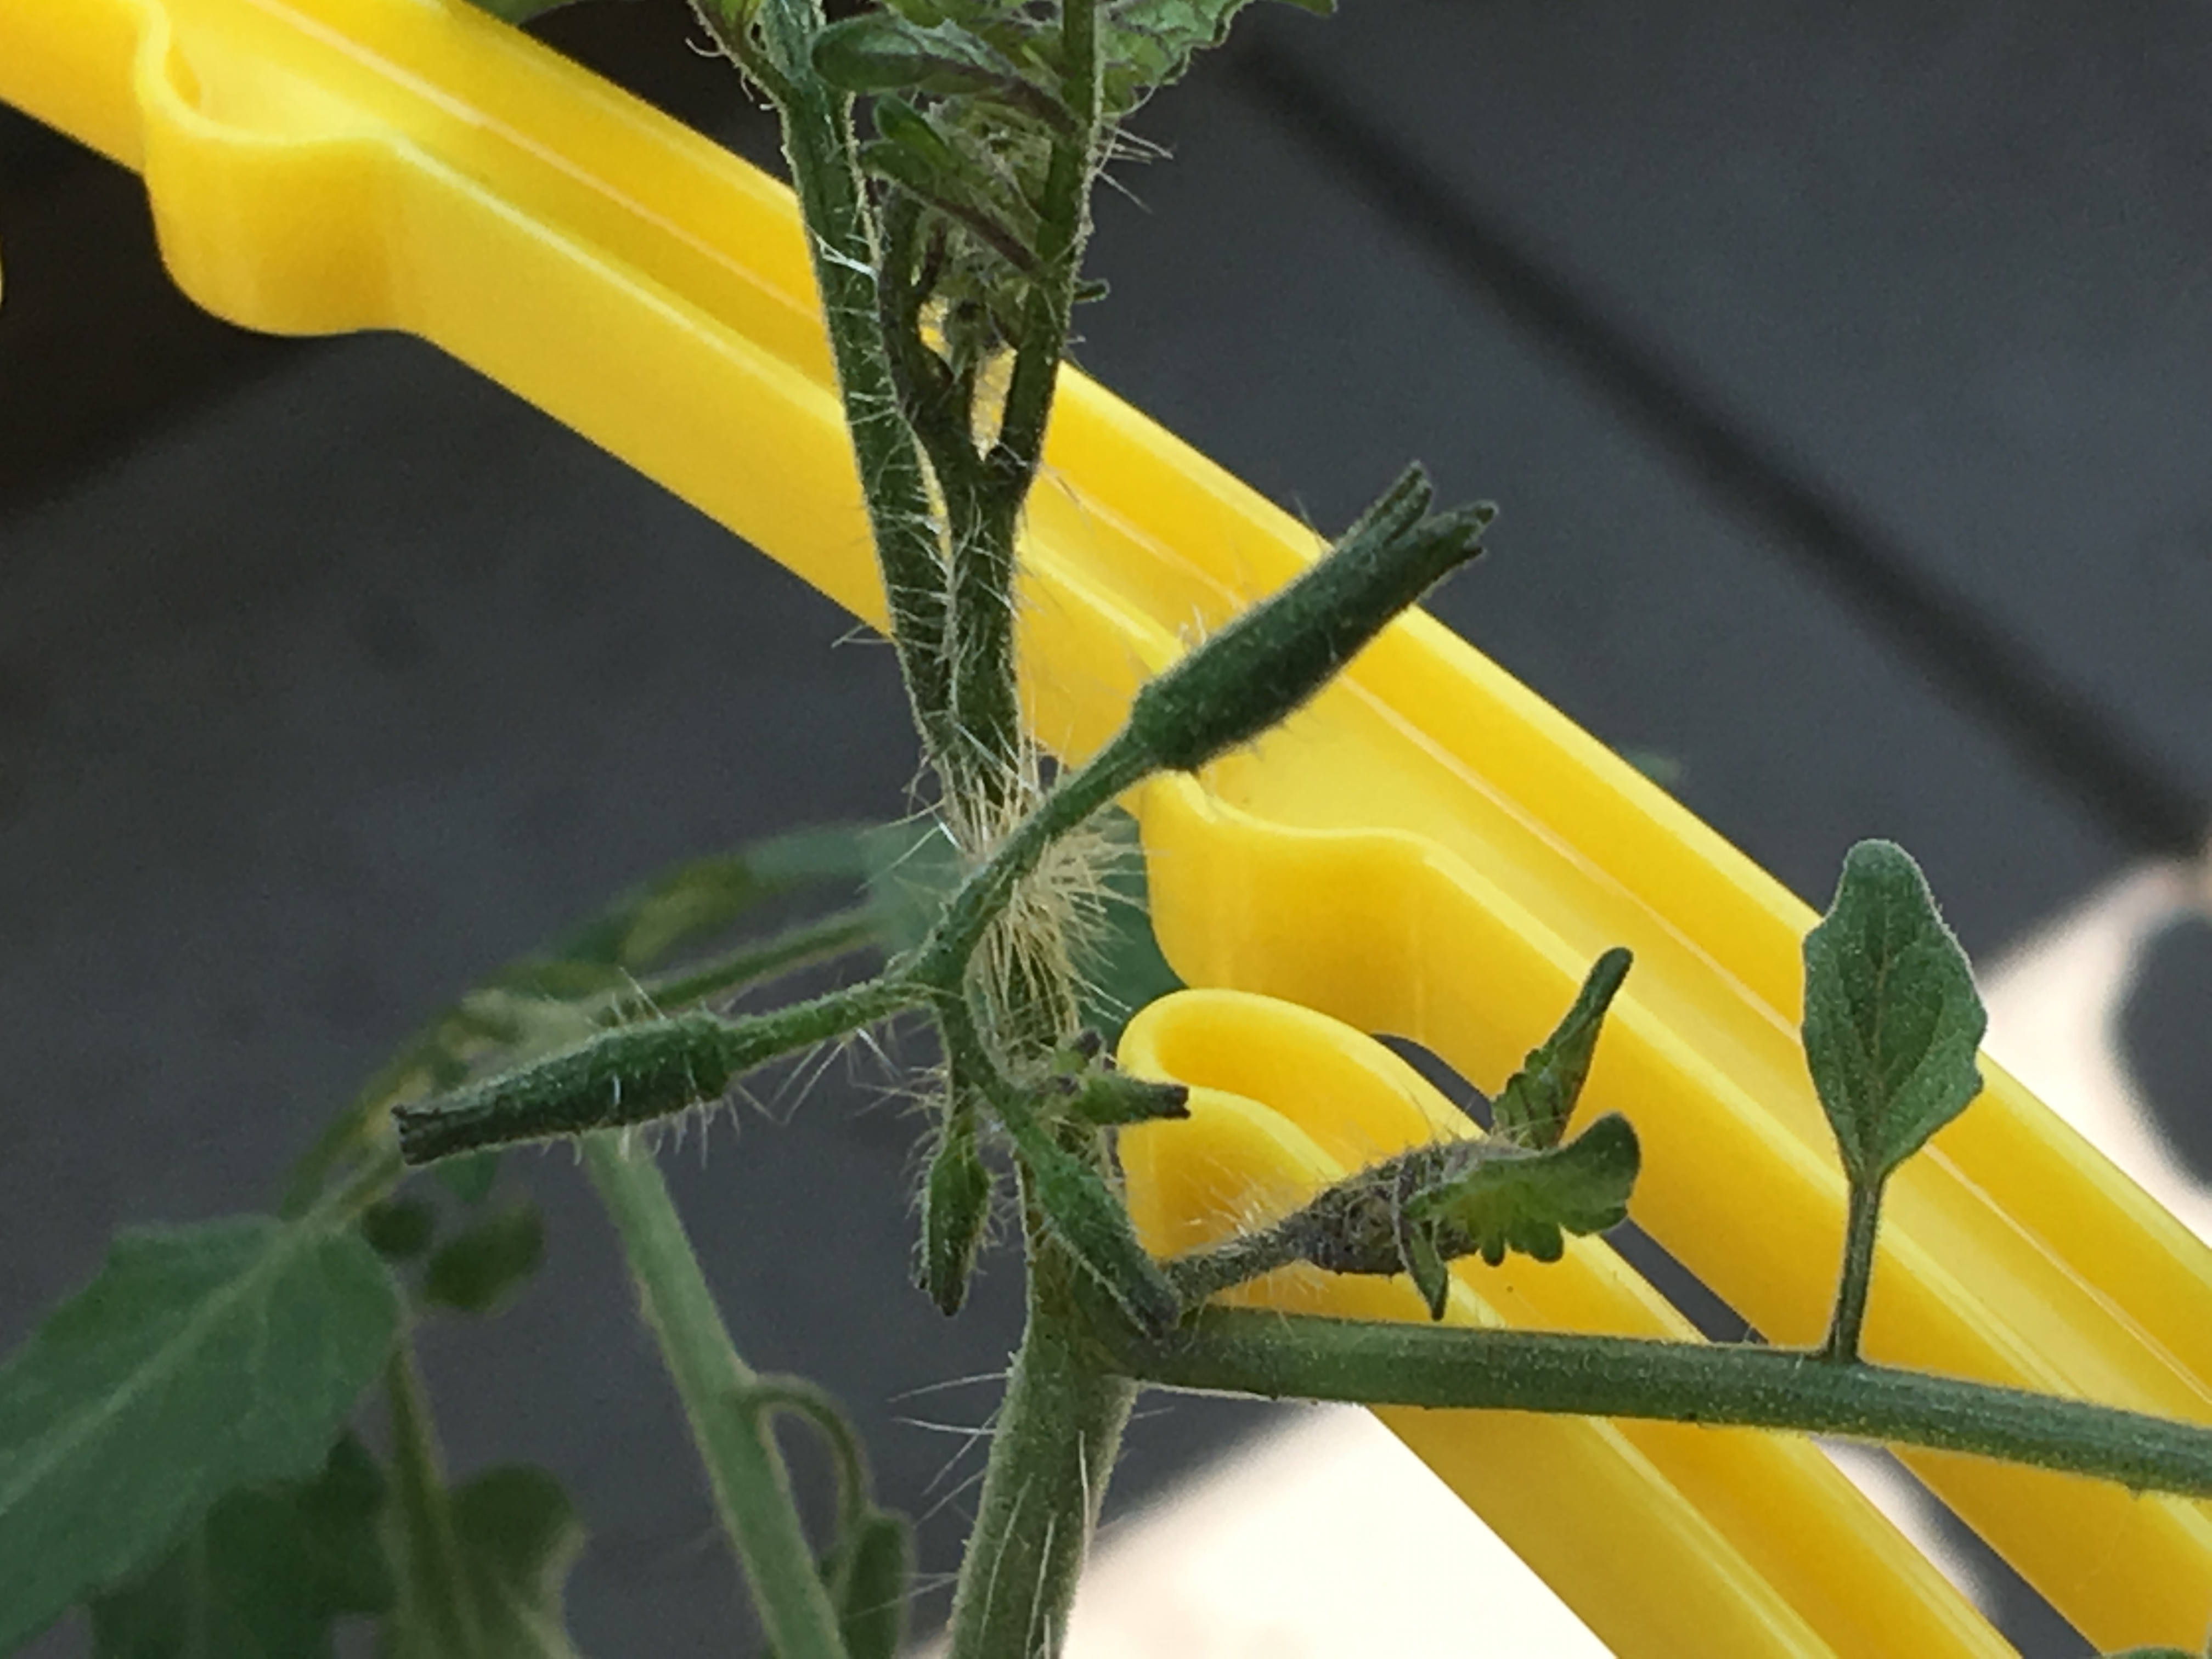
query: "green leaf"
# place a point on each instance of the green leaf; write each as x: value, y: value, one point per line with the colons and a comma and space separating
x: 1891, y: 1018
x: 263, y: 1575
x: 1017, y: 35
x: 999, y: 221
x: 1524, y: 1200
x: 913, y: 868
x: 1423, y: 1264
x: 1412, y: 1213
x: 479, y: 1269
x: 1147, y: 44
x: 399, y: 1230
x: 469, y: 1177
x: 903, y: 125
x: 871, y: 1608
x: 518, y: 1536
x: 1533, y: 1109
x: 956, y: 1209
x: 881, y: 52
x: 201, y: 1359
x: 694, y: 902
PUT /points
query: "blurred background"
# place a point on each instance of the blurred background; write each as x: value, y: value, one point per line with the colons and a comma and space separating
x: 1840, y: 372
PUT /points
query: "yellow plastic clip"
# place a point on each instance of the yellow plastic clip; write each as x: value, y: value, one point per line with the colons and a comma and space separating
x: 1429, y: 850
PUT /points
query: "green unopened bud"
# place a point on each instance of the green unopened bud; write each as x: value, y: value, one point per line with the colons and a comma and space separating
x: 1277, y: 655
x: 633, y: 1074
x: 956, y: 1207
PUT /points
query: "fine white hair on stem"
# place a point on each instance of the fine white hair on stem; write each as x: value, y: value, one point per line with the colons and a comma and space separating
x: 973, y: 1379
x: 950, y: 1496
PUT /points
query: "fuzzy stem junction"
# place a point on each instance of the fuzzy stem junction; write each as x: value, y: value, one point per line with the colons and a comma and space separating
x: 755, y: 963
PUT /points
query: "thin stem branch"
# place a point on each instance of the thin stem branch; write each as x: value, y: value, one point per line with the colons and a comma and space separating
x: 936, y: 404
x: 802, y: 1398
x: 437, y: 1592
x: 756, y: 963
x: 817, y: 137
x: 1199, y: 1274
x: 1863, y: 1223
x: 1064, y: 226
x: 986, y: 697
x: 1248, y: 1350
x: 751, y: 1486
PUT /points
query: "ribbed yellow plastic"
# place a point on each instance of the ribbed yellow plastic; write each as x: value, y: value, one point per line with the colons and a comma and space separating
x: 1429, y: 850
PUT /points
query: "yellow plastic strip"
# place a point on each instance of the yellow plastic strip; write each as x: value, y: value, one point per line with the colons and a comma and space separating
x: 1429, y: 850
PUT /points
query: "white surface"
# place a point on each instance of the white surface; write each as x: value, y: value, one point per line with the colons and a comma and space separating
x: 1328, y: 1539
x: 2055, y: 1002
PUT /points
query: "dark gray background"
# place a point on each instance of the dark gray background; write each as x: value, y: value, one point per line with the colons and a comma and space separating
x: 1840, y: 372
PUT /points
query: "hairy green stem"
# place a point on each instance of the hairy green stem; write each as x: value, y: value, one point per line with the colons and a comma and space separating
x: 1063, y: 227
x: 1250, y: 1351
x: 438, y: 1594
x: 1856, y: 1279
x: 986, y: 696
x: 1199, y: 1274
x: 817, y: 138
x: 936, y: 404
x: 751, y: 1486
x: 1058, y: 1432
